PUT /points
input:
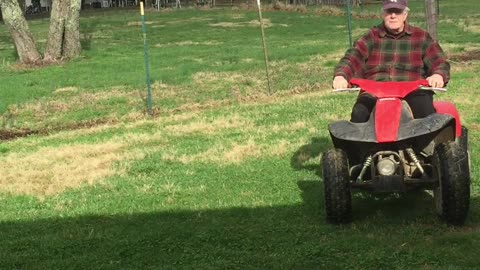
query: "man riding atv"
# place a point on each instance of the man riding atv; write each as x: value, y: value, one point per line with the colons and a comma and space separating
x: 398, y: 138
x: 394, y: 51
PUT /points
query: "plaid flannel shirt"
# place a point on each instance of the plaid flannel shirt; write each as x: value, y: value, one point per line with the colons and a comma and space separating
x: 381, y: 56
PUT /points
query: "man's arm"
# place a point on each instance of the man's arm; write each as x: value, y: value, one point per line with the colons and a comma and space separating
x: 438, y: 69
x: 351, y: 63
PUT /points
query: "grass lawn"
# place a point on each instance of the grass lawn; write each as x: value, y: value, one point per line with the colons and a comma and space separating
x: 224, y: 176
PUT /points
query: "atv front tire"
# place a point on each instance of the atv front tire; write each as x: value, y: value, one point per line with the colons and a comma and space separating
x: 452, y: 195
x: 338, y: 199
x: 463, y: 139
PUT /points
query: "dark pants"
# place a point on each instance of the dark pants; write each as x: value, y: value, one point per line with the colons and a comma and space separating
x: 420, y: 102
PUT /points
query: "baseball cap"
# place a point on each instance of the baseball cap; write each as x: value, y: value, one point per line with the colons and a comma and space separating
x: 400, y: 4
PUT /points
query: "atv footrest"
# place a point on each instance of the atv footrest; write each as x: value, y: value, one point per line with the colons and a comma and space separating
x: 392, y: 183
x: 395, y: 183
x: 382, y: 184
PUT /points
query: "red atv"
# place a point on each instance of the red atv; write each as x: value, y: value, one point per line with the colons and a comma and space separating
x: 393, y: 153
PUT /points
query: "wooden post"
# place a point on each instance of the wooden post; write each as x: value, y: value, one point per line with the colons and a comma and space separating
x: 431, y: 17
x: 349, y: 23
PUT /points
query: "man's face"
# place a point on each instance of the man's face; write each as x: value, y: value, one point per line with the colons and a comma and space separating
x: 394, y: 19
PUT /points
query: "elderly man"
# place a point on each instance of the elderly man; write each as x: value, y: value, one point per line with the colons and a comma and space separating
x: 394, y: 51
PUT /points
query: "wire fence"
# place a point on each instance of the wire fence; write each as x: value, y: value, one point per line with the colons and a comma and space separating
x: 326, y: 2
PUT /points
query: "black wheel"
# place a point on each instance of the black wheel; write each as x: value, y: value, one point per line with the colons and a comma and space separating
x: 338, y: 198
x: 452, y: 195
x: 463, y: 139
x: 463, y: 142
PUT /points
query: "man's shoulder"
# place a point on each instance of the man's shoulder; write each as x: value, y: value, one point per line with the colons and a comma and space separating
x: 414, y: 30
x: 375, y: 31
x: 378, y: 28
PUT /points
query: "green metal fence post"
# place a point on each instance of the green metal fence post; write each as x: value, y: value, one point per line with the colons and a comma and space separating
x: 147, y: 65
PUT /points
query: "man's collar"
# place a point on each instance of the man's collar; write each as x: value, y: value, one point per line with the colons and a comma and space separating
x: 383, y: 31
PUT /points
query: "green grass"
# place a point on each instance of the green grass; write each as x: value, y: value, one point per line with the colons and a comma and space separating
x: 224, y: 176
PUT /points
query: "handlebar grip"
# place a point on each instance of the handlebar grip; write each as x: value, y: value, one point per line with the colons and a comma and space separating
x: 438, y: 89
x: 352, y: 89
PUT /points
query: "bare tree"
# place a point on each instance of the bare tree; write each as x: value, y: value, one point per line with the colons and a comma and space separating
x: 72, y: 46
x: 21, y: 35
x: 431, y: 16
x: 64, y: 33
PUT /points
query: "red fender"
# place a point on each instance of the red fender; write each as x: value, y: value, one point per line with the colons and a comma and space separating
x: 389, y: 106
x: 387, y: 119
x: 448, y: 108
x: 388, y: 89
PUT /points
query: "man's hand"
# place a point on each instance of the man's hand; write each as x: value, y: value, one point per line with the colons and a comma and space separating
x: 436, y: 80
x: 339, y: 82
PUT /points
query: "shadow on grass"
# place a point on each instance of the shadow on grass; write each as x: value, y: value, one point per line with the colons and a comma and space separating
x: 87, y: 30
x: 389, y: 233
x: 6, y: 40
x: 303, y: 157
x: 277, y: 237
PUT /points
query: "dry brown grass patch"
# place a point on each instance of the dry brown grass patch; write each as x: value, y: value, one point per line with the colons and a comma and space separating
x: 189, y: 43
x: 465, y: 56
x: 204, y: 126
x: 462, y: 67
x: 193, y: 19
x: 42, y: 108
x: 235, y: 153
x: 49, y: 170
x: 238, y: 152
x: 163, y: 90
x: 69, y: 89
x: 40, y: 63
x: 220, y: 154
x: 139, y: 23
x: 238, y: 16
x: 333, y: 56
x: 228, y: 77
x: 227, y: 24
x: 467, y: 24
x: 254, y: 23
x: 358, y: 32
x: 330, y: 10
x: 223, y: 154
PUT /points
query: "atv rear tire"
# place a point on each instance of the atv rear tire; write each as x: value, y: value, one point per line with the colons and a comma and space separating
x: 338, y: 198
x: 452, y: 195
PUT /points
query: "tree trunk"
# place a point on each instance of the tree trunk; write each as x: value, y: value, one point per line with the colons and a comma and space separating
x: 53, y: 49
x: 72, y: 46
x: 22, y: 38
x: 64, y: 33
x: 431, y: 16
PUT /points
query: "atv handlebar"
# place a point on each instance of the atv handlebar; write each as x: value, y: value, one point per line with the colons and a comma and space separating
x: 355, y: 89
x: 435, y: 89
x: 351, y: 89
